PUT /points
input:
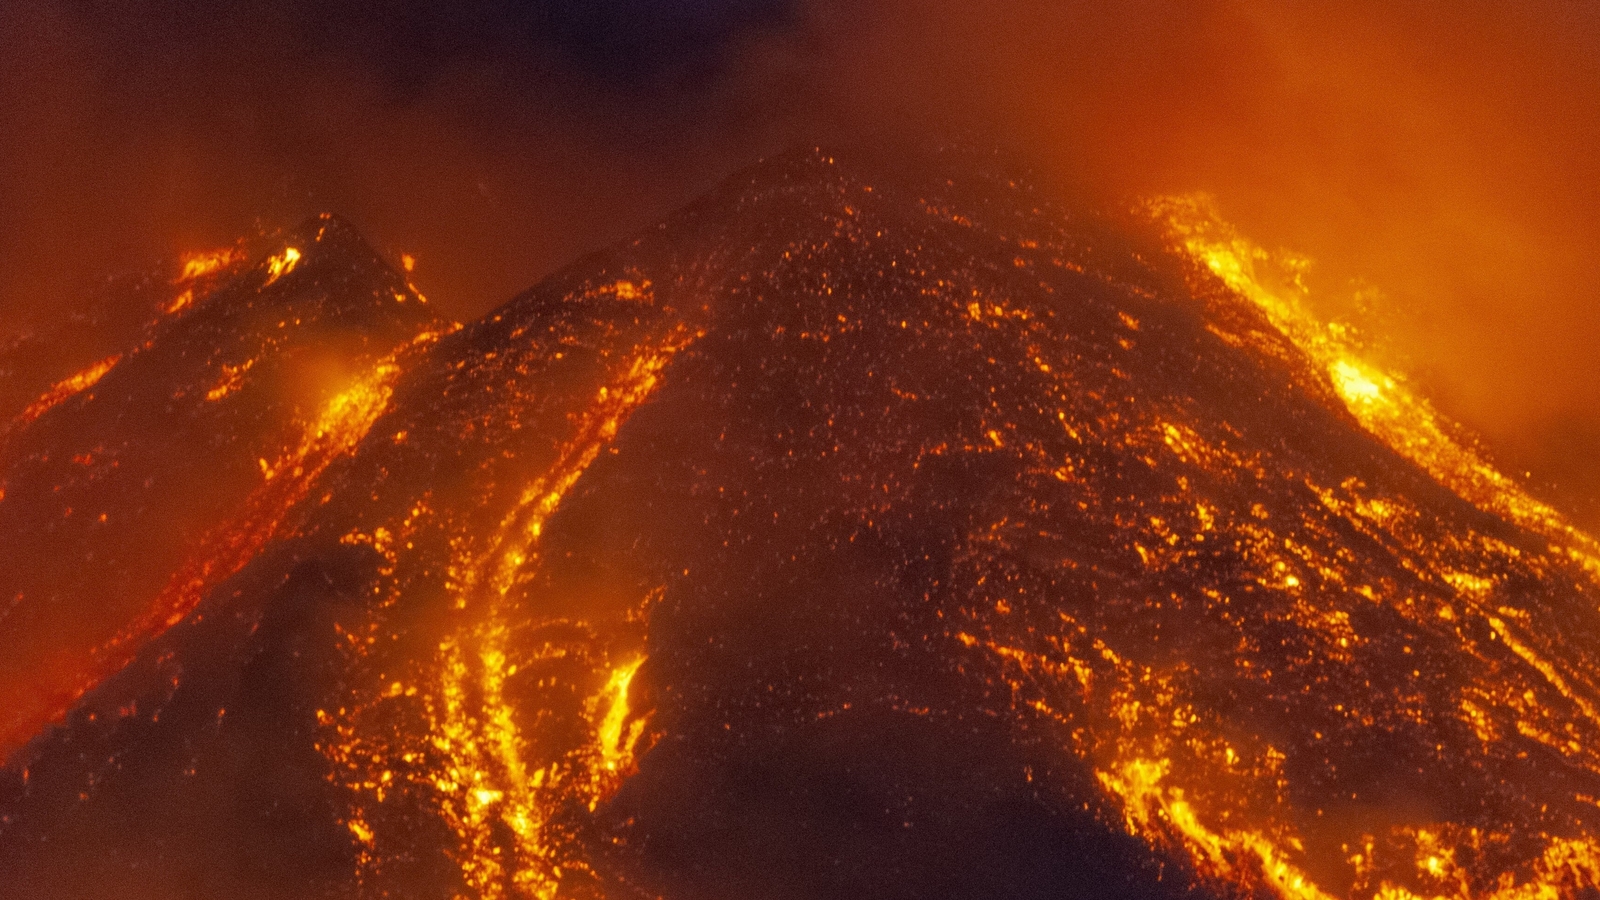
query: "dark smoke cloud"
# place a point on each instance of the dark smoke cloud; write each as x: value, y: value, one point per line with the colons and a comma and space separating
x: 1445, y: 153
x: 494, y: 140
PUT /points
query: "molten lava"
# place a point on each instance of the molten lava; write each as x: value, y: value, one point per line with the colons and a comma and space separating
x: 65, y: 388
x: 209, y: 263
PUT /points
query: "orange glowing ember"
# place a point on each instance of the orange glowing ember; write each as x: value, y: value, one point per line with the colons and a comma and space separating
x: 179, y: 303
x: 199, y: 265
x: 67, y: 387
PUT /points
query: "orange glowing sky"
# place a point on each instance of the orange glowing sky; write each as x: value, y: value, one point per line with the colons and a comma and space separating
x: 1442, y: 153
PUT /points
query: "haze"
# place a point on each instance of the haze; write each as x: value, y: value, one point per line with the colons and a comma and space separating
x: 1441, y: 154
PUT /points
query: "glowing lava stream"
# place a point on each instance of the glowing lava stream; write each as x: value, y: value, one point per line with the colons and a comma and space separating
x: 492, y: 746
x: 1139, y: 726
x: 67, y: 387
x: 479, y: 776
x: 1401, y: 419
x: 207, y: 263
x: 196, y: 267
x: 343, y: 421
x: 1383, y: 405
x: 1185, y: 779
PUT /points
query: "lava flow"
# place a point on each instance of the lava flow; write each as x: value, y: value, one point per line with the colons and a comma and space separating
x: 495, y: 786
x: 65, y: 388
x: 864, y: 529
x: 134, y: 486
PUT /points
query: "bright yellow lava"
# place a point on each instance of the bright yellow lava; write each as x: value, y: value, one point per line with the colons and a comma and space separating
x: 1382, y: 403
x: 483, y: 740
x: 200, y: 265
x: 338, y: 427
x: 499, y: 785
x: 615, y: 738
x: 281, y: 264
x: 1186, y: 780
x: 1356, y: 384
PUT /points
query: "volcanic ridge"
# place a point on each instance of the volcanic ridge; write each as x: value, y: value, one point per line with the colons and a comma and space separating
x: 862, y: 530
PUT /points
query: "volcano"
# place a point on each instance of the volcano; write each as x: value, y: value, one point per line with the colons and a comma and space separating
x: 862, y: 530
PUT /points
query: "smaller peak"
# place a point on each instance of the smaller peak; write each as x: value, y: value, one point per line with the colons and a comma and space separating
x: 322, y: 244
x: 326, y: 262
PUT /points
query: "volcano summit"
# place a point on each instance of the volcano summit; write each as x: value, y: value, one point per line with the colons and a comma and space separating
x: 860, y: 531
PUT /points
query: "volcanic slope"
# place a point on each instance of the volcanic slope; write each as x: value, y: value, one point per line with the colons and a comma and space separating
x: 861, y: 531
x: 45, y: 359
x: 129, y: 489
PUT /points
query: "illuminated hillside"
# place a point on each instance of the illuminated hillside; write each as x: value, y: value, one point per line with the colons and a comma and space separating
x: 859, y: 532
